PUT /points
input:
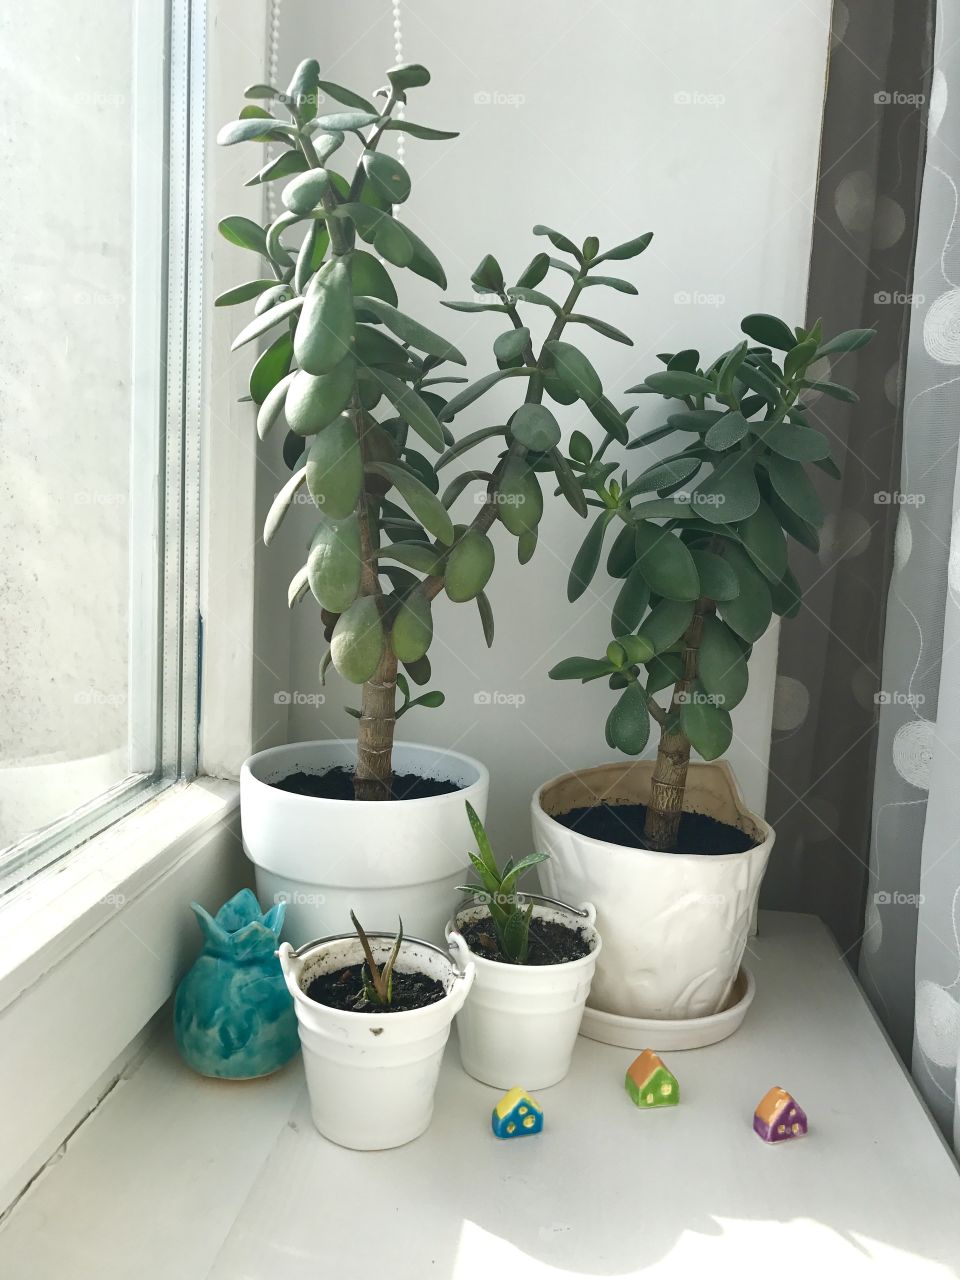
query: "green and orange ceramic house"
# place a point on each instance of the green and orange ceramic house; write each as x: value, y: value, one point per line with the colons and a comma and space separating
x: 650, y: 1084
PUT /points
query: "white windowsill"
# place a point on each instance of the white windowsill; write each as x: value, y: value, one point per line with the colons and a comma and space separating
x: 44, y: 919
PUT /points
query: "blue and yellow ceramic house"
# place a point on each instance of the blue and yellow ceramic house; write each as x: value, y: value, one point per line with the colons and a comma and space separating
x: 516, y: 1115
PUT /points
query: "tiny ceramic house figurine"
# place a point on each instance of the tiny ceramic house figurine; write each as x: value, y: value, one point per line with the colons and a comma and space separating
x: 650, y: 1084
x: 517, y: 1115
x: 778, y: 1117
x: 233, y: 1016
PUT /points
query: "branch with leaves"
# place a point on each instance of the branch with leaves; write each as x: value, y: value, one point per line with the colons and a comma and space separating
x: 703, y: 543
x: 385, y: 543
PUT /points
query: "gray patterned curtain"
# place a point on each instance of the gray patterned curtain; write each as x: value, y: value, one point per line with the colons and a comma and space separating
x: 820, y: 796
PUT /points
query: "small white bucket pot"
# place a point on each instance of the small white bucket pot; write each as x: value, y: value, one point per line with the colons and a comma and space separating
x: 521, y: 1021
x: 371, y: 1078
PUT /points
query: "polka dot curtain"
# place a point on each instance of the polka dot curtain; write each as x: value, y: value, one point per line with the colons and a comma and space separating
x: 829, y: 707
x: 911, y: 948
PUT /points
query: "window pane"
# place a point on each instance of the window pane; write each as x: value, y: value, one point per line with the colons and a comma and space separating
x: 81, y: 395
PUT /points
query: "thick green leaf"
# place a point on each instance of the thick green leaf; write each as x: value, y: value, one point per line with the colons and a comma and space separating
x: 575, y: 371
x: 386, y: 176
x: 709, y: 728
x: 628, y: 724
x: 769, y: 331
x: 408, y: 75
x: 281, y: 505
x: 271, y: 366
x: 834, y: 390
x: 410, y: 330
x: 802, y: 444
x: 558, y: 240
x: 601, y: 326
x: 415, y: 555
x: 631, y: 603
x: 567, y: 483
x: 346, y: 96
x: 511, y: 345
x: 426, y: 506
x: 269, y: 411
x: 474, y: 306
x: 369, y: 277
x: 666, y: 563
x: 612, y: 282
x: 468, y: 442
x: 486, y: 617
x: 535, y: 427
x: 677, y: 383
x: 421, y: 131
x: 306, y: 191
x: 613, y: 422
x: 721, y: 663
x: 588, y: 557
x: 243, y: 292
x: 664, y: 670
x: 424, y: 262
x: 764, y: 542
x: 325, y: 328
x: 476, y: 390
x: 666, y: 623
x: 534, y: 272
x: 852, y: 340
x: 260, y: 324
x: 786, y: 595
x: 258, y: 128
x: 671, y: 471
x: 518, y: 294
x: 346, y: 121
x: 629, y: 249
x: 717, y: 579
x: 411, y: 407
x: 793, y: 486
x: 580, y: 669
x: 749, y: 613
x: 730, y: 493
x: 727, y: 431
x: 245, y: 233
x: 284, y: 165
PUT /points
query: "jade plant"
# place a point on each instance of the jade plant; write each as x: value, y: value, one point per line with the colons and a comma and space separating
x: 377, y: 979
x: 702, y: 547
x: 385, y: 543
x: 510, y: 915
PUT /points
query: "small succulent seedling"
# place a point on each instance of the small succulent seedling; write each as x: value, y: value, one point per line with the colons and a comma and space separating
x: 509, y: 914
x: 377, y: 980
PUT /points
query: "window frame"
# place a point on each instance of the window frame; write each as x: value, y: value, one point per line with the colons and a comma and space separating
x: 167, y: 385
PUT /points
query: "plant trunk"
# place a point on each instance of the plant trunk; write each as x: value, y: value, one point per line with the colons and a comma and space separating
x: 666, y: 791
x: 662, y: 823
x: 375, y: 732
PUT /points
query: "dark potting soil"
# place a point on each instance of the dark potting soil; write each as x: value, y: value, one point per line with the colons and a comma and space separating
x: 341, y: 989
x: 337, y: 784
x: 550, y: 942
x: 623, y: 824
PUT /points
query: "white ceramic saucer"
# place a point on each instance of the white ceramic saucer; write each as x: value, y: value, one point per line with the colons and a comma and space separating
x: 668, y: 1035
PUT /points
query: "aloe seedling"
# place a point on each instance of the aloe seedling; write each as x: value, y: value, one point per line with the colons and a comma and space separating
x: 498, y: 889
x: 702, y: 548
x: 378, y: 981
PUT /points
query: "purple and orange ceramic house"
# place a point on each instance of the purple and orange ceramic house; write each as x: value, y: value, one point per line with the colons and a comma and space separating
x: 779, y: 1117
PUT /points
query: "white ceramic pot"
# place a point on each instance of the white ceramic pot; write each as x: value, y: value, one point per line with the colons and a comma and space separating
x: 371, y: 1078
x: 383, y: 860
x: 674, y: 926
x: 521, y: 1021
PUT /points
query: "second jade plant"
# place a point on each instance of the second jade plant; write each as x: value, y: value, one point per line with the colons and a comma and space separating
x: 700, y: 544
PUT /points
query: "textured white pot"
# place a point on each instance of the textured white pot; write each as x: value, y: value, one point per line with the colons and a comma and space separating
x: 521, y: 1021
x: 674, y: 926
x: 382, y: 860
x: 371, y: 1079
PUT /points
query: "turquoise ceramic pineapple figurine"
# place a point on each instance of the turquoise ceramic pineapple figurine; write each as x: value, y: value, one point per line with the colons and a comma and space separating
x: 233, y: 1015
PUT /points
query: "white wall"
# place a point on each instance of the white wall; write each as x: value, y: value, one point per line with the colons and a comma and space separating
x: 698, y: 121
